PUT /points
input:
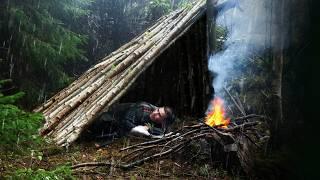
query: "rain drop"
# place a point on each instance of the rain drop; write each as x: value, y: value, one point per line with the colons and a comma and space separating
x: 60, y: 48
x: 19, y: 29
x: 11, y: 66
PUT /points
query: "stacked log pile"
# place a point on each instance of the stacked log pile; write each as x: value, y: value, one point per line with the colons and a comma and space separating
x: 75, y: 107
x: 238, y: 137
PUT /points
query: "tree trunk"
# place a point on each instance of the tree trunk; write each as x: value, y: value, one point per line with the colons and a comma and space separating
x: 211, y: 26
x: 277, y: 73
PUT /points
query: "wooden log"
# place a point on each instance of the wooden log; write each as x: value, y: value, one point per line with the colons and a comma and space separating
x: 142, y: 50
x: 92, y: 101
x: 116, y: 70
x: 74, y: 117
x: 140, y: 63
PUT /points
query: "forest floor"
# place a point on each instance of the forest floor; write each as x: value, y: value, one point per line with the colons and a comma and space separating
x: 193, y: 162
x: 171, y: 167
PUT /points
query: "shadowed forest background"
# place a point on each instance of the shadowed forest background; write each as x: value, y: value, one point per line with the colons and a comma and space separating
x: 46, y: 45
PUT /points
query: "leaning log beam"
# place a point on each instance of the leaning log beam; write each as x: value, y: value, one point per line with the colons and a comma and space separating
x: 149, y: 40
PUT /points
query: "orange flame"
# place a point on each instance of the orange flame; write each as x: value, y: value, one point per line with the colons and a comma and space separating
x: 216, y: 115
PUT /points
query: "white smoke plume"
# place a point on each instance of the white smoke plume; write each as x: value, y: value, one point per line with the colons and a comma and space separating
x: 251, y: 27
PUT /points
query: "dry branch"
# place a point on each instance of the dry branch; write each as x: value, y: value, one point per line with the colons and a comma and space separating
x: 227, y: 138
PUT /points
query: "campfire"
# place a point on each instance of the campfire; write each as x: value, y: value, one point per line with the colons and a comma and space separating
x: 216, y: 116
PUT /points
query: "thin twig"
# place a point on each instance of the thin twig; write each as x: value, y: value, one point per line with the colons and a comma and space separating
x: 90, y: 164
x: 242, y: 126
x: 138, y: 154
x: 126, y: 166
x: 149, y: 142
x: 140, y: 149
x: 248, y: 137
x: 240, y: 104
x: 159, y: 140
x: 195, y: 126
x: 248, y: 117
x: 234, y: 101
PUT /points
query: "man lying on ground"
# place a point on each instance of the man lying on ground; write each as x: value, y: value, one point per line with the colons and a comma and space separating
x: 135, y: 118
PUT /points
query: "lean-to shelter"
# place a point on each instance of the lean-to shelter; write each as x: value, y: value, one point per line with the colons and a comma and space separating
x: 165, y: 65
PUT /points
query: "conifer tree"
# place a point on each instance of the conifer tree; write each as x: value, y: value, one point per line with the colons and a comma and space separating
x: 39, y: 39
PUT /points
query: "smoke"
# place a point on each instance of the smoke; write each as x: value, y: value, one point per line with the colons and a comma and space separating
x: 252, y: 28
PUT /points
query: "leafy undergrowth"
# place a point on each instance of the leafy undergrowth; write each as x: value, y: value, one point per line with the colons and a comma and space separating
x: 51, y: 162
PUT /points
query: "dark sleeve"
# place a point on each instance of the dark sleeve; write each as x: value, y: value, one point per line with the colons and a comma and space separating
x: 143, y: 115
x: 101, y: 123
x: 145, y: 104
x: 131, y: 117
x: 156, y: 131
x: 118, y: 111
x: 129, y: 120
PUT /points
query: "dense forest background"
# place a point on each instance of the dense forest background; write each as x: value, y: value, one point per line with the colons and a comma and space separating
x: 45, y: 45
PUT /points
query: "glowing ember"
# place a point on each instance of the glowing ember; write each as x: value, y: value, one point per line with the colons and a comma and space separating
x: 216, y: 116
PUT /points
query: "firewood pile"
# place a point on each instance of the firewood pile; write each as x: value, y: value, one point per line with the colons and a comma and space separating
x: 238, y: 137
x: 71, y: 110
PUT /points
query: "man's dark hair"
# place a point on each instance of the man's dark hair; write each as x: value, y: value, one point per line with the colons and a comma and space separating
x: 170, y: 115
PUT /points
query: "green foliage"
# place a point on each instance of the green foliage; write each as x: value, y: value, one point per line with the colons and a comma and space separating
x: 61, y: 172
x: 114, y: 23
x: 185, y: 4
x: 221, y: 36
x: 17, y: 126
x: 4, y: 81
x: 204, y: 170
x: 159, y: 7
x: 10, y: 99
x: 40, y: 41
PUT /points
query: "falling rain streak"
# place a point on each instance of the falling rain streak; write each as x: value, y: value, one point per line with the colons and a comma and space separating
x: 11, y: 66
x: 38, y: 6
x: 60, y: 47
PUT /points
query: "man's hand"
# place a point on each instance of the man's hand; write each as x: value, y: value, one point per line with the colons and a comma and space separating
x: 140, y: 130
x: 168, y: 134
